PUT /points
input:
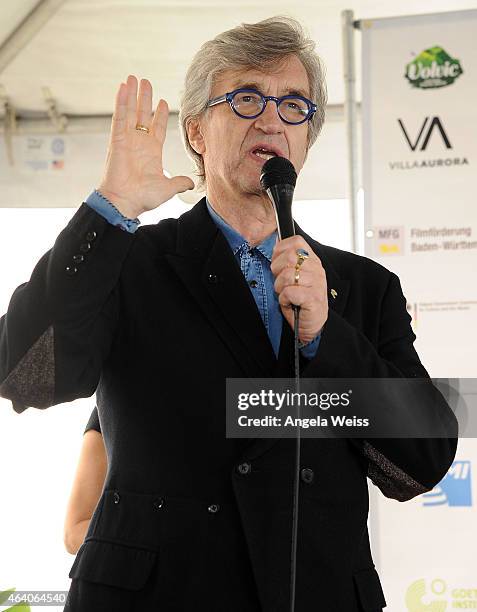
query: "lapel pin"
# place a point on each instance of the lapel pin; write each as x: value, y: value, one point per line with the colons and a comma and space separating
x: 334, y: 294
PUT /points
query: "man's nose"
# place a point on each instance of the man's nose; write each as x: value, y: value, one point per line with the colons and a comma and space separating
x: 269, y: 121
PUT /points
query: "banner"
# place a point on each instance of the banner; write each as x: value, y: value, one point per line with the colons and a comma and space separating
x: 419, y: 180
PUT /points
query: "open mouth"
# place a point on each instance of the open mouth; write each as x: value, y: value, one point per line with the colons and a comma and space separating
x: 263, y: 153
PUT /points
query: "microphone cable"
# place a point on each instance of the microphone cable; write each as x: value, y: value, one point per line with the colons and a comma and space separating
x: 296, y: 481
x: 278, y: 180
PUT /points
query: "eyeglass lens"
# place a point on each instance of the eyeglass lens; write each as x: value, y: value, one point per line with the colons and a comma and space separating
x: 248, y: 104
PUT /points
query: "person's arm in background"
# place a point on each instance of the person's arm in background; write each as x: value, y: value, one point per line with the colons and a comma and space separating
x: 87, y: 485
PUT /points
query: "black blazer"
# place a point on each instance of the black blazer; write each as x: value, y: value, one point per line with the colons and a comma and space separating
x: 155, y: 322
x: 93, y: 421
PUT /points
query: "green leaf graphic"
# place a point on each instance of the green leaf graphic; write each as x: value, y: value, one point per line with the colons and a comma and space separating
x: 4, y: 595
x: 18, y: 607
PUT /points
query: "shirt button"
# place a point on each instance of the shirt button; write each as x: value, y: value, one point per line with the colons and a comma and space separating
x: 85, y: 247
x: 307, y: 475
x: 71, y: 270
x: 90, y: 236
x: 213, y: 508
x: 253, y: 283
x: 117, y: 497
x: 244, y: 468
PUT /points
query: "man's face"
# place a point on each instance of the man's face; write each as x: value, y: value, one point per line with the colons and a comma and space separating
x: 229, y: 140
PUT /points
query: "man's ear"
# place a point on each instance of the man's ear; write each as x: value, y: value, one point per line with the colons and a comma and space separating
x: 196, y: 138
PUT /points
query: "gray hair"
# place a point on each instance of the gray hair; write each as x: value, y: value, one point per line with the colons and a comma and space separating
x: 250, y: 45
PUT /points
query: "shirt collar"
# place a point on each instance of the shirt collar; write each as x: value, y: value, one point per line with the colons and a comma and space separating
x: 236, y: 240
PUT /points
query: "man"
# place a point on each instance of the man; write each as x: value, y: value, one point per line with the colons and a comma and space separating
x: 155, y: 320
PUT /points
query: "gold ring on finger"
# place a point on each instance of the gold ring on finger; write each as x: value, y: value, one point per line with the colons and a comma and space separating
x: 142, y: 128
x: 301, y: 256
x: 297, y: 274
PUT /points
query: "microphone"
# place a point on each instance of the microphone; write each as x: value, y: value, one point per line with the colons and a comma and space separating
x: 278, y: 179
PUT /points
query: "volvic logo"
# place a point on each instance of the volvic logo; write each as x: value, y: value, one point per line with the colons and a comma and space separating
x: 454, y: 489
x: 433, y: 68
x: 421, y: 140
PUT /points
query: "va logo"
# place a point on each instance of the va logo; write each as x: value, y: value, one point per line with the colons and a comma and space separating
x: 425, y: 133
x: 454, y: 489
x: 433, y: 68
x: 417, y: 596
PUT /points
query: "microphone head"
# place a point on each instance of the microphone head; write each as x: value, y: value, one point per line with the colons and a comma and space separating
x: 277, y: 171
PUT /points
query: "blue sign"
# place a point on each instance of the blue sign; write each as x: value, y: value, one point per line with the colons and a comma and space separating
x: 454, y: 489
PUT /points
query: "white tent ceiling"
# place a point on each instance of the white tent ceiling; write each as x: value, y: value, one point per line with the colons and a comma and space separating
x: 78, y: 51
x: 82, y: 49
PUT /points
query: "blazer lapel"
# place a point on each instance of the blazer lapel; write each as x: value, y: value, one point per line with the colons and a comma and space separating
x: 208, y: 268
x: 338, y: 288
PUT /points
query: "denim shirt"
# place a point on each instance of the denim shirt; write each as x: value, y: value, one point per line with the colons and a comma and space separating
x: 254, y: 263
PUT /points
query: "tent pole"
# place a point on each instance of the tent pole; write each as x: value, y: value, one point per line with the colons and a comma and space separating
x: 22, y: 35
x: 350, y: 113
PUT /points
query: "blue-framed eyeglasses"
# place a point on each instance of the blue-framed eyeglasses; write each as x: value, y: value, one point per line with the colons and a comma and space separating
x: 250, y: 103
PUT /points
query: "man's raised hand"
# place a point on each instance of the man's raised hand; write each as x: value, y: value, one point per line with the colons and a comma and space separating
x: 133, y: 178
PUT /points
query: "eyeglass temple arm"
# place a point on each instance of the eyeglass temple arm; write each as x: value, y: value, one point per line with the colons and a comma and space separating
x: 215, y: 101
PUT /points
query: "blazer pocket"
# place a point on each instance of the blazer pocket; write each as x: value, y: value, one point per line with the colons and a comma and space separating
x: 370, y: 592
x: 113, y: 564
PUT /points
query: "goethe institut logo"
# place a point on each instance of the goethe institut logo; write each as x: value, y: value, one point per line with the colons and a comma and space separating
x: 433, y: 68
x: 419, y: 598
x: 436, y: 596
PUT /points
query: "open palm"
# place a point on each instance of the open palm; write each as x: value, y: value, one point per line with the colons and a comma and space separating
x: 133, y: 178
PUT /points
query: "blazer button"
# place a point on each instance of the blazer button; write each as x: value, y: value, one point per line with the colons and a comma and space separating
x: 307, y: 475
x: 212, y: 278
x: 244, y: 468
x: 90, y: 236
x: 85, y: 247
x: 158, y: 503
x: 213, y: 508
x: 117, y: 497
x: 71, y: 270
x: 78, y: 258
